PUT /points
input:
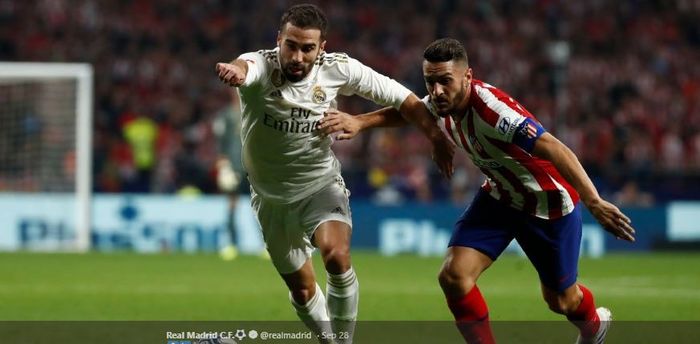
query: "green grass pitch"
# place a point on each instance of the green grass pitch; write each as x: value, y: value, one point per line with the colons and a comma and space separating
x: 123, y: 286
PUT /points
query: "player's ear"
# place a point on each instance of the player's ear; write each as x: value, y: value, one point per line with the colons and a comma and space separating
x: 468, y: 75
x: 322, y: 46
x: 279, y: 39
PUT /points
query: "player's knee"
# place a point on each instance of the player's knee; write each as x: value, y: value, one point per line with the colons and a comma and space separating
x: 453, y: 279
x: 336, y: 259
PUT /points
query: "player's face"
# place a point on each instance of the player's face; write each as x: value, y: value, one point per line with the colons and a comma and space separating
x: 448, y: 84
x: 298, y: 50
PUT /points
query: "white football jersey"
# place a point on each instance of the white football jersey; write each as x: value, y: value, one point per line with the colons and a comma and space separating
x: 286, y: 157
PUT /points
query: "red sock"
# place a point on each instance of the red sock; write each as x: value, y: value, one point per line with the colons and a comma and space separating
x: 585, y: 316
x: 472, y: 317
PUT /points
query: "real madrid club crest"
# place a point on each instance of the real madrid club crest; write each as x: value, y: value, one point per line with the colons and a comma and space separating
x: 277, y: 78
x: 319, y: 96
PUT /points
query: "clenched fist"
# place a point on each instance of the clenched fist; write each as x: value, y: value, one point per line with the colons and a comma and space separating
x: 231, y: 74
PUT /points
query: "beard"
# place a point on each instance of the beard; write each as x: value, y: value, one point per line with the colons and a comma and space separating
x: 449, y: 106
x: 295, y: 72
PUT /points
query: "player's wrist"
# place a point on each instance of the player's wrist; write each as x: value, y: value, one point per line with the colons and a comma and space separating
x: 592, y: 201
x: 361, y: 121
x: 366, y: 121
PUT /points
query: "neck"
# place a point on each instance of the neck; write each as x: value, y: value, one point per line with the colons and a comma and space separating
x: 463, y: 106
x: 458, y: 116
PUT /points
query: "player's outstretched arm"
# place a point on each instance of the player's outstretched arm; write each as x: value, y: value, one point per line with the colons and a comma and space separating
x: 233, y: 73
x: 336, y: 121
x: 412, y: 110
x: 607, y: 214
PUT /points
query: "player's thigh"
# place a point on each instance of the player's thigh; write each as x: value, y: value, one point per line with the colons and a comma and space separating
x: 553, y: 247
x: 326, y: 215
x: 486, y: 226
x: 286, y: 241
x: 465, y: 263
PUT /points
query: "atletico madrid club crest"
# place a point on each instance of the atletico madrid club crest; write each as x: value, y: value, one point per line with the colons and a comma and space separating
x: 531, y: 130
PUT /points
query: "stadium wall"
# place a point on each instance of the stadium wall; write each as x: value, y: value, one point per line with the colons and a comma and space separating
x: 162, y: 223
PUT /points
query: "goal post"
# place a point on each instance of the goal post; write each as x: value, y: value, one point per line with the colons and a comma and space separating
x: 48, y: 89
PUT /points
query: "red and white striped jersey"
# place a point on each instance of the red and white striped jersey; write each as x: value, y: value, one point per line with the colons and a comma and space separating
x: 498, y: 134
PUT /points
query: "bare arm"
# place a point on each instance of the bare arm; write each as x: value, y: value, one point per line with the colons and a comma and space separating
x: 336, y: 121
x: 386, y: 117
x: 608, y: 215
x: 233, y: 73
x: 412, y: 110
x: 416, y: 113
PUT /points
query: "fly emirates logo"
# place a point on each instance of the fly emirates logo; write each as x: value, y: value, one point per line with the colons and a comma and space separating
x: 300, y: 121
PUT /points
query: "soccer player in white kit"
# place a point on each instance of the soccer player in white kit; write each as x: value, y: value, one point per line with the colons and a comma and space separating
x: 297, y: 189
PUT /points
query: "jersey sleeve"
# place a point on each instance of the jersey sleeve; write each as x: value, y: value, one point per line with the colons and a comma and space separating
x: 369, y: 84
x: 510, y: 121
x: 257, y: 67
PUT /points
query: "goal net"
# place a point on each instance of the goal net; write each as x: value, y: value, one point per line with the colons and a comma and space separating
x: 45, y: 156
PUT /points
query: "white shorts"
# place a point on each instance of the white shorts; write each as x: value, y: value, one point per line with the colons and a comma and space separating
x: 288, y: 228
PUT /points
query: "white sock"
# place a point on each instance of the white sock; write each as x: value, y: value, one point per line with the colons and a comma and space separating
x: 314, y: 313
x: 343, y: 297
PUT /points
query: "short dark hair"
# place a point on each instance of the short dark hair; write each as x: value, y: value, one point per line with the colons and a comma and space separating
x: 306, y: 16
x: 445, y: 49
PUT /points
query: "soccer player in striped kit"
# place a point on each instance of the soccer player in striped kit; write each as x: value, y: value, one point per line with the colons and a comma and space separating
x: 531, y: 194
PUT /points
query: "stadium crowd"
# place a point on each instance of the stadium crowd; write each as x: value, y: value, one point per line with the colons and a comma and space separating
x: 617, y: 81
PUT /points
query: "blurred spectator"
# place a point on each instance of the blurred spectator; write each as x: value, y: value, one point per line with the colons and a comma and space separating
x: 618, y: 81
x: 140, y: 133
x: 631, y: 196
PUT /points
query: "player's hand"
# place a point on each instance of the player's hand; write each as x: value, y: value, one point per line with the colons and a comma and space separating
x: 443, y: 151
x: 335, y: 121
x: 230, y: 74
x: 612, y: 219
